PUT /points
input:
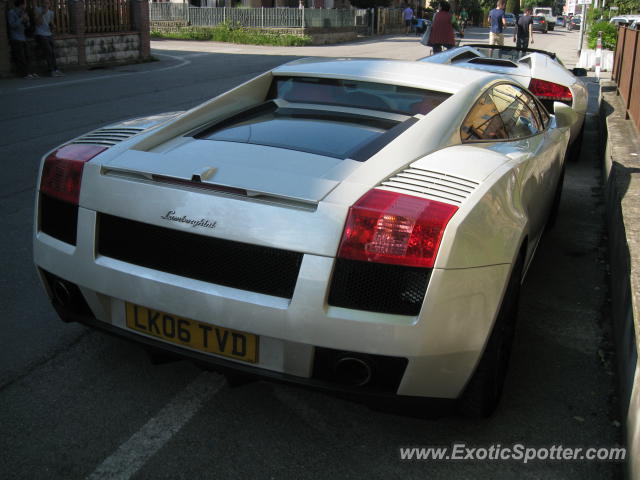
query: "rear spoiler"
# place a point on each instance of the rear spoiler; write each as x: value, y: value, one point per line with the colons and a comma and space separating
x: 511, y: 48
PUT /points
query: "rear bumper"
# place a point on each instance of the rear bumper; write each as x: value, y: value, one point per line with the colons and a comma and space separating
x: 441, y: 345
x: 388, y: 401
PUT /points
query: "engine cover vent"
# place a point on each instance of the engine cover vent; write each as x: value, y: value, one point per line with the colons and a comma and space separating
x: 432, y: 185
x: 108, y: 136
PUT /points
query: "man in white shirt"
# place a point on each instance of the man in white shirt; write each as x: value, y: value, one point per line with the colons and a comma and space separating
x: 44, y: 36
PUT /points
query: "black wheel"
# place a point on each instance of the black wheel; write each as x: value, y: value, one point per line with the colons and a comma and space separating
x: 555, y: 206
x: 482, y: 394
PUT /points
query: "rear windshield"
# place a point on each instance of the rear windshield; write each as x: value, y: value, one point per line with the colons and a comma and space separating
x: 352, y: 93
x: 333, y: 135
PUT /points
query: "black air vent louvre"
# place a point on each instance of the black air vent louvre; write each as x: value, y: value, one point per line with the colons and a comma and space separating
x: 233, y: 264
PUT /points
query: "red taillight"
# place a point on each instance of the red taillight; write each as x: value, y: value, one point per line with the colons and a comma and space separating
x: 62, y: 171
x: 541, y: 21
x: 389, y: 227
x: 549, y: 90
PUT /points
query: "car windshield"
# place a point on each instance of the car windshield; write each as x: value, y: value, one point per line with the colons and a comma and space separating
x: 538, y: 19
x: 358, y: 94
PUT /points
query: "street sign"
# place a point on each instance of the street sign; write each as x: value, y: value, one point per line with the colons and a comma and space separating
x: 584, y: 2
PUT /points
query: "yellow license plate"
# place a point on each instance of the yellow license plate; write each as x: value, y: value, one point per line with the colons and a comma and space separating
x: 193, y: 334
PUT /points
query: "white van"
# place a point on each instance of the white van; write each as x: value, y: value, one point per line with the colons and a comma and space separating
x: 547, y: 13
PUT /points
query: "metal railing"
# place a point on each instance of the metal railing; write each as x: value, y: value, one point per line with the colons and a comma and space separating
x: 257, y: 17
x: 107, y: 16
x: 60, y: 16
x: 626, y: 71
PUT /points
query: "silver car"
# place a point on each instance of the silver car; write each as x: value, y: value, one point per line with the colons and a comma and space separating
x: 357, y: 225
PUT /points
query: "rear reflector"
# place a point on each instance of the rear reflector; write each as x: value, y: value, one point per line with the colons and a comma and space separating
x: 394, y: 228
x: 62, y: 171
x: 550, y: 91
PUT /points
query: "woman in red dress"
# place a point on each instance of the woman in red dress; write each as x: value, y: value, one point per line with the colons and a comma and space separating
x: 442, y: 29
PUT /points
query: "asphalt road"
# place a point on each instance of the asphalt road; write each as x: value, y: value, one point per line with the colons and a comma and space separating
x: 75, y: 403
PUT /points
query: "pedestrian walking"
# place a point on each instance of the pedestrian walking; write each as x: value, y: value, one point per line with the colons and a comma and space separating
x: 464, y: 18
x: 407, y: 15
x: 442, y: 29
x: 18, y: 21
x: 523, y: 34
x: 44, y: 36
x: 497, y: 23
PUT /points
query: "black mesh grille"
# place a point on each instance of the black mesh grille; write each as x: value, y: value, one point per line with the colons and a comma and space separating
x: 378, y: 287
x: 58, y: 219
x: 223, y: 262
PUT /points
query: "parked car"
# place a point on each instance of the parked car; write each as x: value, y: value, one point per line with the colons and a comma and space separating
x: 560, y: 21
x: 574, y: 23
x: 538, y: 70
x: 620, y: 21
x: 333, y: 223
x: 540, y: 24
x: 510, y: 19
x: 547, y: 13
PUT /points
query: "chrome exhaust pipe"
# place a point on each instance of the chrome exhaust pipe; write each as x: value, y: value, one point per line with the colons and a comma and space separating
x: 61, y: 293
x: 353, y: 371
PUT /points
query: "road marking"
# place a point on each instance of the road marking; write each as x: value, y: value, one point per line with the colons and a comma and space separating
x: 135, y: 452
x: 182, y: 63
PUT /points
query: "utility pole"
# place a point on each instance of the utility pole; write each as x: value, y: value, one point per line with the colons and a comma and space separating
x: 585, y: 8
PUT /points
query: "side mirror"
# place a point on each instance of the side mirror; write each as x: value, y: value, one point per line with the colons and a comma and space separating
x: 565, y: 116
x: 579, y: 72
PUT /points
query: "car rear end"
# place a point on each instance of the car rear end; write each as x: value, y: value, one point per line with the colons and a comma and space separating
x: 540, y: 24
x: 275, y: 240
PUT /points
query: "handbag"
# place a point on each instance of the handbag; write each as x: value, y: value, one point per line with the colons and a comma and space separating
x: 427, y: 32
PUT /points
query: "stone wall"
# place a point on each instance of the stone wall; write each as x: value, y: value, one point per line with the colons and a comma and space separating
x: 622, y: 175
x: 79, y: 49
x: 112, y: 49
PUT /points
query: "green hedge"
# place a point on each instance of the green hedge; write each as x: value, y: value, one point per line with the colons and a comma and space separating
x: 609, y: 35
x: 230, y: 34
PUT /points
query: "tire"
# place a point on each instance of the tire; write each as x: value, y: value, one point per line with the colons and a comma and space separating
x: 482, y: 394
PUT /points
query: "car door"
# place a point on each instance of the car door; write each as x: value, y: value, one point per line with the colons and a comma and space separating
x: 511, y: 120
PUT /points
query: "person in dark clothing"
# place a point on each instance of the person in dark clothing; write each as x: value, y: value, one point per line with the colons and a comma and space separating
x: 44, y: 36
x: 524, y: 30
x: 442, y: 35
x: 18, y: 21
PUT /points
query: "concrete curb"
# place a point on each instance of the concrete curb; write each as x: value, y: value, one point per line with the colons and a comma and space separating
x: 622, y: 196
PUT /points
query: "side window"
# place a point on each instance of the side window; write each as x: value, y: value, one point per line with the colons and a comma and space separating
x: 518, y: 118
x: 483, y: 122
x: 537, y: 110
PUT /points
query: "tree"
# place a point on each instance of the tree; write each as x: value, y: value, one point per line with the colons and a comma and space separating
x: 370, y: 3
x: 627, y: 6
x: 513, y: 6
x: 538, y: 3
